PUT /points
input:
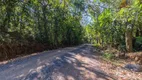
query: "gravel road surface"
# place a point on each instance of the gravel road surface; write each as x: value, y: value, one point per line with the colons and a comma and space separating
x: 72, y: 63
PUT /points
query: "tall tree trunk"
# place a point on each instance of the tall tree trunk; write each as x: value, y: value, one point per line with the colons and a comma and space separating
x: 128, y: 40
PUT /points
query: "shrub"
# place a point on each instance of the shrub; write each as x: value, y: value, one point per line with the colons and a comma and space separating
x: 122, y: 47
x: 109, y: 56
x: 97, y: 45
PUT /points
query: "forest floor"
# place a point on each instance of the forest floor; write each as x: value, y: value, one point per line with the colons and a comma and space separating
x: 72, y: 63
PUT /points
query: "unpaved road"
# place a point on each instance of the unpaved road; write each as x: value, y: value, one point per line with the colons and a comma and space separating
x: 72, y: 63
x: 46, y: 65
x: 18, y: 68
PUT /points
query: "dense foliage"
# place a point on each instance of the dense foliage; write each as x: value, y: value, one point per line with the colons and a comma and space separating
x: 116, y: 23
x: 54, y: 22
x: 28, y: 26
x: 39, y: 24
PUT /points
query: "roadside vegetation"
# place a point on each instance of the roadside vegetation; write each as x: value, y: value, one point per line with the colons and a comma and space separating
x: 29, y: 26
x: 116, y: 28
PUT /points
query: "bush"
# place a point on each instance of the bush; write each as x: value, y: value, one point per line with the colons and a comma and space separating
x: 122, y: 47
x: 97, y: 45
x: 109, y: 56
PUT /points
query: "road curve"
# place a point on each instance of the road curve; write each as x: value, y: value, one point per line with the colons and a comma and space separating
x: 60, y: 64
x: 21, y: 66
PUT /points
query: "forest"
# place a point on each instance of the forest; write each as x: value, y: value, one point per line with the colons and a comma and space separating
x: 28, y: 26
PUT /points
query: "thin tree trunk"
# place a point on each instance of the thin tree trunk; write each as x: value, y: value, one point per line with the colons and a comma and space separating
x: 45, y: 22
x: 128, y: 40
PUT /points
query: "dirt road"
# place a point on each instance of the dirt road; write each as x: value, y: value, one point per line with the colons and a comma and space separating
x: 72, y: 63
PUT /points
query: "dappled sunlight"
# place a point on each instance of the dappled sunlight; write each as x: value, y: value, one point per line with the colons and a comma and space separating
x: 70, y: 78
x: 88, y: 61
x: 70, y: 39
x: 20, y: 67
x: 20, y: 76
x: 78, y: 64
x: 75, y: 65
x: 58, y: 76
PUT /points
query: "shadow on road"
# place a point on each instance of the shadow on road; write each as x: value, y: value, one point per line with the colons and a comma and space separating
x: 80, y: 64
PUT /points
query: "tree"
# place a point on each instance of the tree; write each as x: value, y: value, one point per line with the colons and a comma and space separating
x: 115, y: 22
